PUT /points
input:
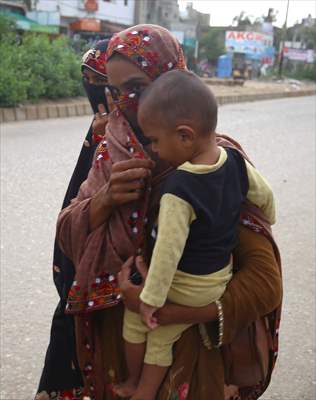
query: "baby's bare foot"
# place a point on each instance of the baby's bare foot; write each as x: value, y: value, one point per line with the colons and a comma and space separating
x: 125, y: 389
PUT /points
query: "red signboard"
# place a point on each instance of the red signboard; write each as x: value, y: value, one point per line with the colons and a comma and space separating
x: 86, y: 24
x: 91, y: 5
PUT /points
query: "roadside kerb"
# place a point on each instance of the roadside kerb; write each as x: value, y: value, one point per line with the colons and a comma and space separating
x: 73, y: 108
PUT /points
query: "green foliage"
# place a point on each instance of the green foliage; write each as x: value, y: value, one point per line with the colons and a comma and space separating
x: 212, y: 44
x: 37, y: 67
x: 13, y: 88
x: 7, y: 27
x: 302, y: 72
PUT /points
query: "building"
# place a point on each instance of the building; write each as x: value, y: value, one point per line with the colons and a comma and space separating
x: 85, y: 18
x: 9, y: 6
x: 162, y: 12
x: 17, y: 10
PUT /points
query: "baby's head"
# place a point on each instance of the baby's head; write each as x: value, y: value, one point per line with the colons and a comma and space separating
x: 178, y: 113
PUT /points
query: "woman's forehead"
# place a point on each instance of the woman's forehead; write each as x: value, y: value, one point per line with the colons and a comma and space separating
x: 122, y: 71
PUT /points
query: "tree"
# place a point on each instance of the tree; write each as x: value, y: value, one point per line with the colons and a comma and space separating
x: 271, y: 16
x: 242, y: 20
x: 212, y: 44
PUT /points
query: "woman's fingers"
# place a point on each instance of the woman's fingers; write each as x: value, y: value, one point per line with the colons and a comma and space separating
x: 123, y: 198
x: 129, y: 176
x: 132, y: 163
x: 127, y: 180
x: 98, y: 126
x: 124, y: 274
x: 141, y: 267
x: 102, y: 110
x: 102, y: 113
x: 100, y: 120
x: 109, y: 100
x: 127, y: 186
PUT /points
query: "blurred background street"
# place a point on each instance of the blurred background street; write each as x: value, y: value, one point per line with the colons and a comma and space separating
x: 37, y: 158
x: 246, y: 51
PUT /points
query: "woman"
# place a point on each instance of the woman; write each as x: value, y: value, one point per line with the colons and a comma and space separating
x: 112, y: 218
x: 61, y: 371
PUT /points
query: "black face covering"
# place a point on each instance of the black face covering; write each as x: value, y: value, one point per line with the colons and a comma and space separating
x: 96, y: 95
x: 140, y: 136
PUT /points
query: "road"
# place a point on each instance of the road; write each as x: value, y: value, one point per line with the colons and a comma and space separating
x: 37, y: 158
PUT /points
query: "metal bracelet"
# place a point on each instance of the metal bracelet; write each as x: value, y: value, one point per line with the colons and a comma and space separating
x: 220, y: 314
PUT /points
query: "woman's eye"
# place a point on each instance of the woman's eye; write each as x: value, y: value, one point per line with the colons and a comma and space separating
x: 114, y: 92
x: 137, y: 89
x: 100, y: 82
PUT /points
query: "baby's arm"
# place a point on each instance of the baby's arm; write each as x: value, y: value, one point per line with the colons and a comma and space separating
x: 260, y: 193
x: 175, y: 217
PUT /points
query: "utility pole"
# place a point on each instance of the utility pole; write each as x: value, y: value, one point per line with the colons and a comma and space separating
x: 282, y: 41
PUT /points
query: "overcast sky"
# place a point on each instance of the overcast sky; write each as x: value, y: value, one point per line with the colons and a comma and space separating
x: 223, y: 11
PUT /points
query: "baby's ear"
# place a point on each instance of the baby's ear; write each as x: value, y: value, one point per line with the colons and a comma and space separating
x: 186, y: 134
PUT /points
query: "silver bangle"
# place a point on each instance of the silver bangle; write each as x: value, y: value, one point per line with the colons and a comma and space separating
x: 220, y: 314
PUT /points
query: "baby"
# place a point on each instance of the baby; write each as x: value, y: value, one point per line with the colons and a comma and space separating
x: 197, y: 224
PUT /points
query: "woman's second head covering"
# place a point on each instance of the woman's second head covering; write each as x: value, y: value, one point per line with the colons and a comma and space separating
x: 95, y: 60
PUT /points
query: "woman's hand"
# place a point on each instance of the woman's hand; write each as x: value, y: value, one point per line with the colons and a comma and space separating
x: 100, y: 121
x: 101, y: 117
x: 127, y: 181
x: 176, y: 314
x: 130, y: 291
x: 126, y: 184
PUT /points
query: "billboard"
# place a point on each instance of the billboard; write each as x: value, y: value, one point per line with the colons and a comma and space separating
x: 256, y: 45
x: 299, y: 54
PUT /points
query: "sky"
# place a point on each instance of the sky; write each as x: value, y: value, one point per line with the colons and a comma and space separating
x: 223, y: 11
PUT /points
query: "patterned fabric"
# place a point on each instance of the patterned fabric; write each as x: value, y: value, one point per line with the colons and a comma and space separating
x: 95, y: 58
x: 152, y: 49
x: 72, y: 394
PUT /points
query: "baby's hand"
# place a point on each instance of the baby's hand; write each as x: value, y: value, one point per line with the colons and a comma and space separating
x: 146, y: 312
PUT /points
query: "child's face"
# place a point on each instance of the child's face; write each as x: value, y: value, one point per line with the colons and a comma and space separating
x: 168, y: 143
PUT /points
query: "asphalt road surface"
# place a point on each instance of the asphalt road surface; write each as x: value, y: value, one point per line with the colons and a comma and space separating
x: 37, y: 158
